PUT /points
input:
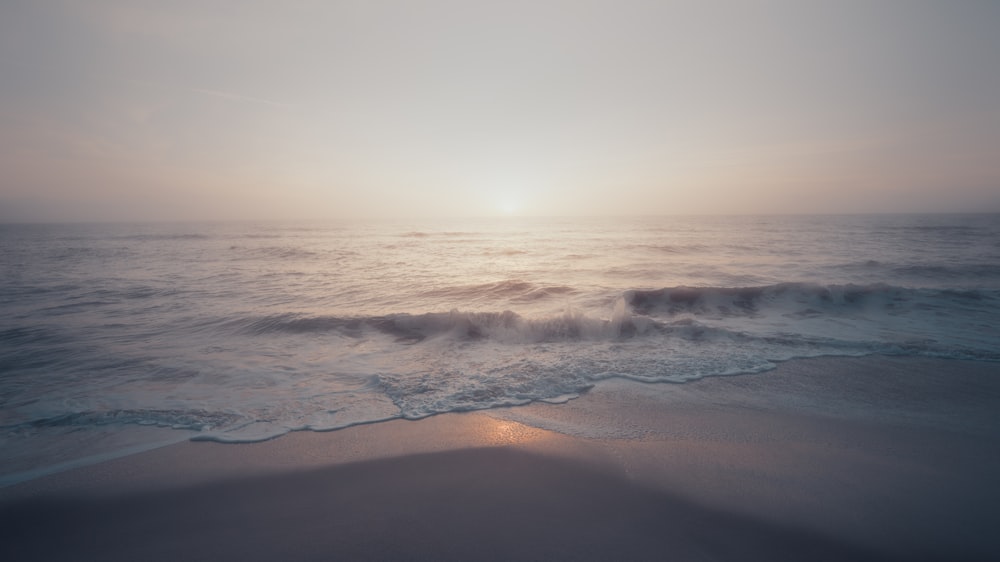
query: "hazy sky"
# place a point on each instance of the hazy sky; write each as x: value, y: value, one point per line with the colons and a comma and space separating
x: 138, y: 110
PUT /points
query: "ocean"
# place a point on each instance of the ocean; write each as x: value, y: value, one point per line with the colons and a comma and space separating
x: 119, y: 337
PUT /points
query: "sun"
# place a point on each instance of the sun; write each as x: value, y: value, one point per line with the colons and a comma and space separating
x: 508, y: 202
x: 509, y: 197
x: 509, y: 207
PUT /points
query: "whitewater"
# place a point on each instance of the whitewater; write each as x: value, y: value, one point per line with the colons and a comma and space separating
x: 241, y: 332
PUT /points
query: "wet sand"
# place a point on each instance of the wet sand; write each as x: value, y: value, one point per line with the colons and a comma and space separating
x: 828, y: 459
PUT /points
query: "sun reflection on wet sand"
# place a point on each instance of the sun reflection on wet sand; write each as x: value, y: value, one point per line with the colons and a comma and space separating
x: 509, y: 433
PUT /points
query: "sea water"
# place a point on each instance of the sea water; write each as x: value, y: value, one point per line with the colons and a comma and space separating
x: 241, y: 332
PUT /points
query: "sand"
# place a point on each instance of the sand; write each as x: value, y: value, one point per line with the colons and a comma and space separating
x: 824, y: 459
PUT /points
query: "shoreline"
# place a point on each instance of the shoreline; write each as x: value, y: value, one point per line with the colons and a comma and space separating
x: 859, y: 458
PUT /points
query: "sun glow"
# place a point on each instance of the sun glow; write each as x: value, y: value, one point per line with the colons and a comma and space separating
x: 513, y: 197
x: 509, y: 207
x: 506, y: 203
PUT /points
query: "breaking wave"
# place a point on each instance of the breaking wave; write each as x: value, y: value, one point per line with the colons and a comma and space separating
x: 787, y: 310
x: 801, y: 299
x: 505, y: 327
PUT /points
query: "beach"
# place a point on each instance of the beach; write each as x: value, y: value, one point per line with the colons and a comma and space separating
x: 871, y: 458
x: 462, y: 281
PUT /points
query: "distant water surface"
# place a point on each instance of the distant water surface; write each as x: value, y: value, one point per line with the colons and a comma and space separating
x: 245, y: 331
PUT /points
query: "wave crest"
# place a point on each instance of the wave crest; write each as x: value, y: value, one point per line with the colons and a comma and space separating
x: 796, y: 299
x: 687, y: 312
x: 504, y: 327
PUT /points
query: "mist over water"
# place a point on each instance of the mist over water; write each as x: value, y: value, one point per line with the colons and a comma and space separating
x: 244, y: 331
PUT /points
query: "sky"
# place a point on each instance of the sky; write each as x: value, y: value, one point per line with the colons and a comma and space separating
x: 192, y: 110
